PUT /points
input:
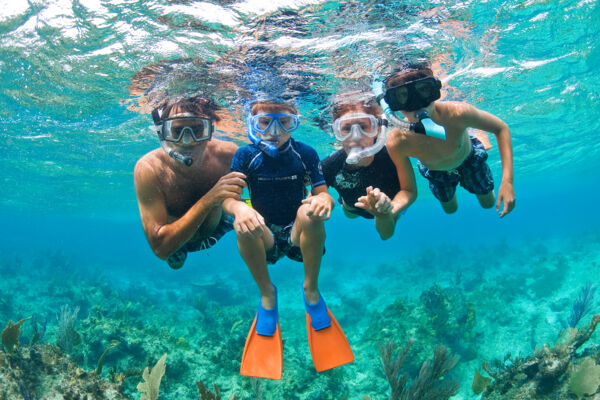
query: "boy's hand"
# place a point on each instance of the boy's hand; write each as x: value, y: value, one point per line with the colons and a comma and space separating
x: 320, y: 206
x: 375, y: 202
x: 248, y: 222
x: 228, y: 186
x: 506, y: 195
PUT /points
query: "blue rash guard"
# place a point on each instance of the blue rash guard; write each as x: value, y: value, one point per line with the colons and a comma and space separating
x: 277, y: 185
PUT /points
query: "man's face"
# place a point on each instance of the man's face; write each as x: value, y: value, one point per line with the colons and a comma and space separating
x: 192, y: 133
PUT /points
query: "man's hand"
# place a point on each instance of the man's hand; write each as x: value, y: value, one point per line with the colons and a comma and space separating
x: 248, y: 222
x: 375, y: 202
x: 320, y: 206
x: 229, y: 186
x: 506, y: 195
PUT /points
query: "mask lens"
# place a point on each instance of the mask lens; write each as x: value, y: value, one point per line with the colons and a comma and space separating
x: 397, y: 97
x: 261, y: 123
x: 288, y: 122
x: 366, y: 124
x: 424, y: 89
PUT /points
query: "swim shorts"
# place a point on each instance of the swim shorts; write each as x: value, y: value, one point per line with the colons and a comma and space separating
x: 177, y: 259
x: 473, y: 174
x: 283, y: 244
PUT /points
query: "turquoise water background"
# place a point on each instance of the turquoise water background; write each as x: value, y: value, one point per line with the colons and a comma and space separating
x: 71, y: 132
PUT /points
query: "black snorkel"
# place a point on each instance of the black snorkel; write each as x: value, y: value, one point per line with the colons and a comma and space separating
x: 174, y: 154
x: 425, y: 125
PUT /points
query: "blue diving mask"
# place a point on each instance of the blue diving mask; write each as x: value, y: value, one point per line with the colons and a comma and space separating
x: 273, y: 125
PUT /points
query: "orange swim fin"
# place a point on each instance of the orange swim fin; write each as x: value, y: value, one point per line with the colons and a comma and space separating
x: 329, y: 347
x: 263, y: 355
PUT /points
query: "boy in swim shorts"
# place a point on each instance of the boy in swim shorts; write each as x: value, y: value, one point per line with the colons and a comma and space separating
x: 459, y: 158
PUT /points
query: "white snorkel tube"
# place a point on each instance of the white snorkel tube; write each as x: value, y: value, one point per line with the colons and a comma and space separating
x: 357, y: 153
x: 425, y: 125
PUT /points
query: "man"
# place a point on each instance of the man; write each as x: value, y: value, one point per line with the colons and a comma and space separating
x: 181, y: 186
x: 459, y: 158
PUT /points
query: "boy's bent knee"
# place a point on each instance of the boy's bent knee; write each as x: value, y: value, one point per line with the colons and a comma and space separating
x: 450, y: 207
x: 487, y: 200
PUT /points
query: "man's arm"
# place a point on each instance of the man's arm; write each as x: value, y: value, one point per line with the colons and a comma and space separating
x: 479, y: 119
x: 165, y: 238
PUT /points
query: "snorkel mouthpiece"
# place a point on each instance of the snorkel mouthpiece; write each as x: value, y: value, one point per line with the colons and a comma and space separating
x: 358, y: 153
x: 185, y: 160
x: 431, y: 128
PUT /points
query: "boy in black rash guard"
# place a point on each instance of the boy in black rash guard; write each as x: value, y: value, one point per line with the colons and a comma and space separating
x: 283, y: 222
x: 372, y: 186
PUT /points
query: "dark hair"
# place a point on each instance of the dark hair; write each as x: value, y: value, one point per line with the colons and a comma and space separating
x: 269, y: 105
x: 356, y: 98
x: 408, y: 73
x: 196, y: 105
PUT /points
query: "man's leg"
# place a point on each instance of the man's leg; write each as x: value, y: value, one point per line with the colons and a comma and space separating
x: 309, y: 235
x: 253, y: 251
x: 451, y: 205
x: 487, y: 200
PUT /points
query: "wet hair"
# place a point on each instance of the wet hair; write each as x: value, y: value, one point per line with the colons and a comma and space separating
x: 408, y: 73
x: 355, y: 99
x: 268, y: 106
x: 196, y: 105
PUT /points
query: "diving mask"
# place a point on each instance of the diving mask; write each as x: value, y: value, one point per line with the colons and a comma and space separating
x: 273, y: 124
x: 414, y: 95
x: 174, y: 130
x: 356, y: 124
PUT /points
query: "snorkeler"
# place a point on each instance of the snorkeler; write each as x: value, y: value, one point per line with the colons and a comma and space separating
x: 455, y: 158
x: 283, y: 222
x: 180, y: 187
x: 362, y: 172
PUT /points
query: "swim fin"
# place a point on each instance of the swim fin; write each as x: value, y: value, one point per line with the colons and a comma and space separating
x: 263, y: 355
x: 329, y: 347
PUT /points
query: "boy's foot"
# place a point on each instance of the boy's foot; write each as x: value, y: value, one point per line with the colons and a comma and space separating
x: 318, y: 312
x: 266, y: 319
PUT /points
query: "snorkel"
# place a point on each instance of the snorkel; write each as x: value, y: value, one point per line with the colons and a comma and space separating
x: 425, y: 125
x: 174, y: 154
x: 358, y: 153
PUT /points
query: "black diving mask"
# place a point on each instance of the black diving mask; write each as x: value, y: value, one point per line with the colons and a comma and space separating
x: 414, y: 95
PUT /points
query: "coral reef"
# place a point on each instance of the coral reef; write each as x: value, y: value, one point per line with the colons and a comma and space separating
x: 545, y: 374
x: 42, y: 371
x: 429, y: 384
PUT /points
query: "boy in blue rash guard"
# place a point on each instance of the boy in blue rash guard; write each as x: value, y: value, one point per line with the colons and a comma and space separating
x: 282, y: 220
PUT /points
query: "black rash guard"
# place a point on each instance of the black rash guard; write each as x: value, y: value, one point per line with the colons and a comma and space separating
x: 351, y: 183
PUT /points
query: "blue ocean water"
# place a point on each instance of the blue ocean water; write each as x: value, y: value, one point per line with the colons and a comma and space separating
x: 74, y: 121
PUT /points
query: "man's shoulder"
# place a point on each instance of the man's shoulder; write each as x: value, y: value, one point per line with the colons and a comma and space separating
x: 148, y: 162
x: 223, y: 147
x: 147, y: 168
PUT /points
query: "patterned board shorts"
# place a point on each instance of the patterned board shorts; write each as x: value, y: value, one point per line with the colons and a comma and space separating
x: 283, y: 244
x: 177, y: 259
x: 473, y: 174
